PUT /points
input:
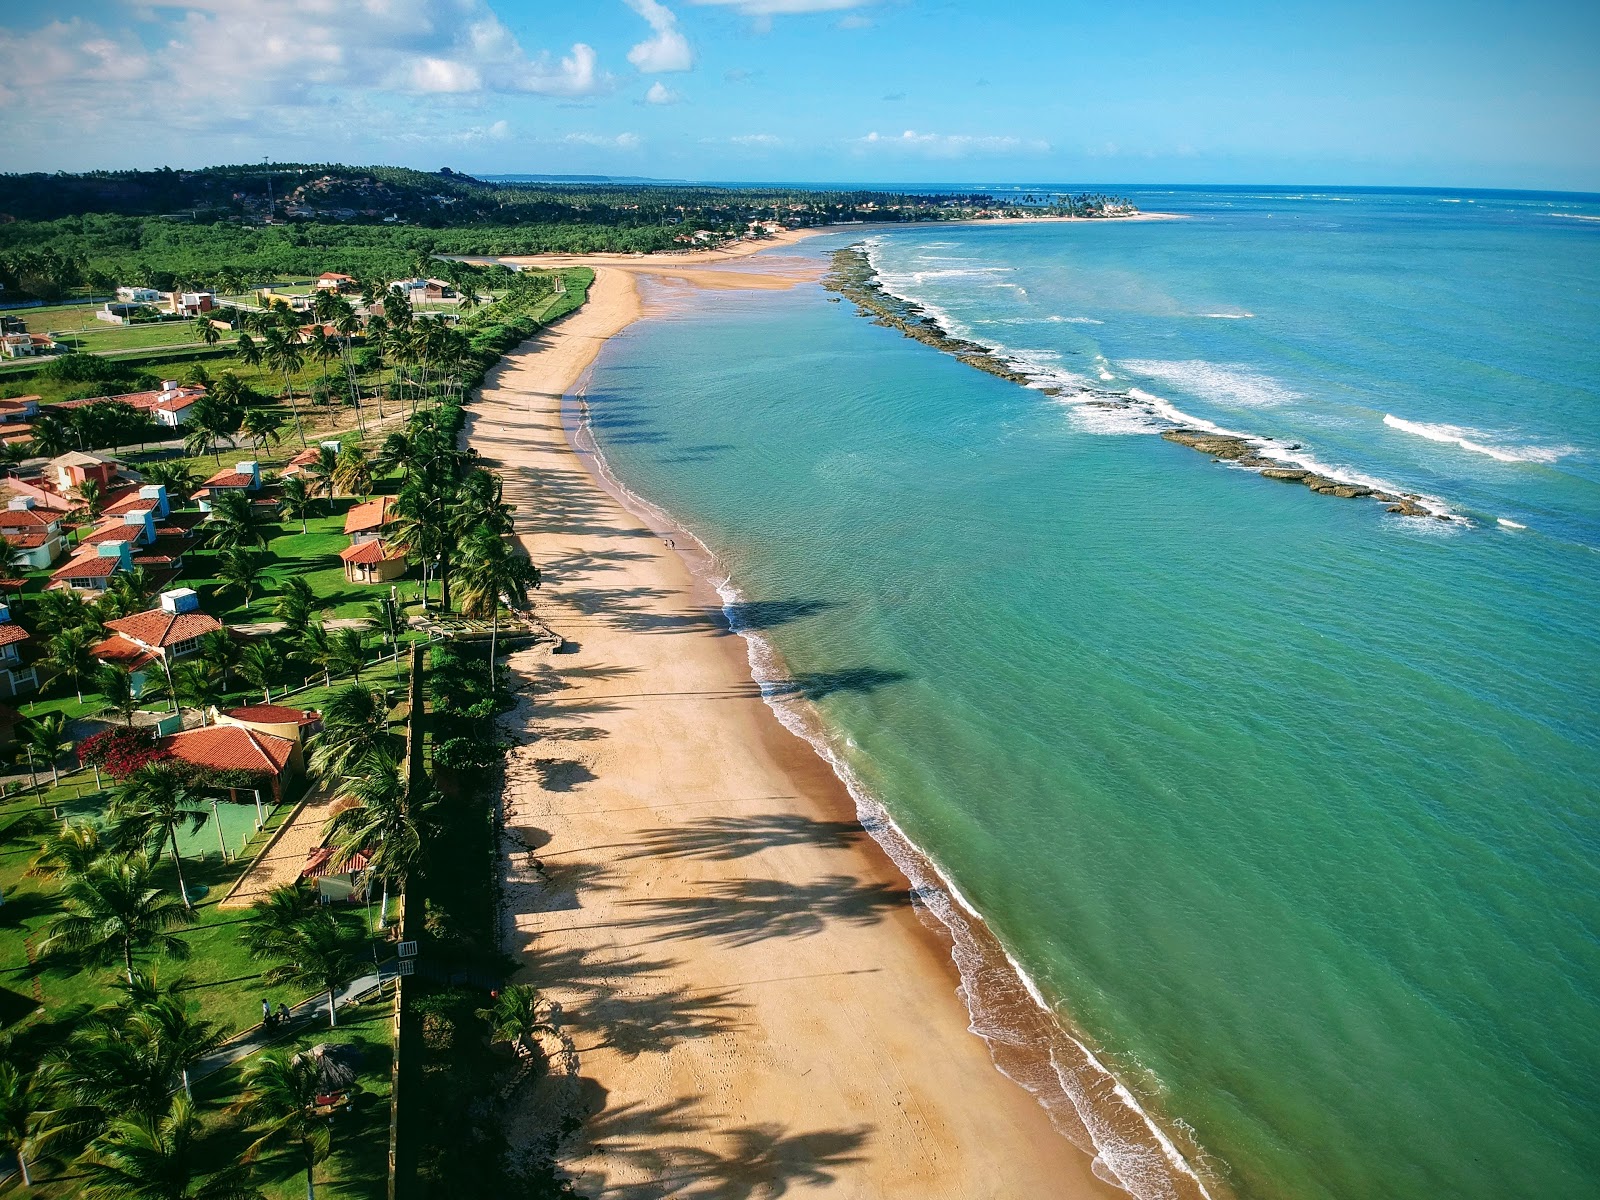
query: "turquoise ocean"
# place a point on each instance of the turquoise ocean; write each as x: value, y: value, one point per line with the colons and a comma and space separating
x: 1288, y: 809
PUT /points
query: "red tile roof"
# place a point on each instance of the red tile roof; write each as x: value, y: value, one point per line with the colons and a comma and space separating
x: 112, y: 531
x: 120, y: 652
x: 319, y: 863
x: 29, y: 541
x: 272, y: 714
x: 88, y: 566
x: 158, y: 627
x: 368, y: 516
x: 231, y: 748
x: 10, y: 633
x: 369, y: 553
x: 226, y: 479
x: 22, y: 518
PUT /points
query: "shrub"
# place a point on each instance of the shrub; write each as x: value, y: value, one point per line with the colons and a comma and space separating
x: 121, y: 751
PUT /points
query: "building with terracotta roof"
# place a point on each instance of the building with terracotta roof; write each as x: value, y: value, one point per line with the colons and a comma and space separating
x: 16, y: 675
x: 236, y: 748
x: 36, y: 534
x: 367, y: 520
x: 243, y: 477
x: 296, y: 724
x: 373, y: 561
x: 18, y: 409
x: 298, y: 464
x: 92, y: 568
x: 332, y: 281
x: 157, y: 637
x: 75, y: 467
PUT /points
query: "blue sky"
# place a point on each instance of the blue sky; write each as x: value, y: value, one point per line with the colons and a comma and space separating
x: 1470, y: 94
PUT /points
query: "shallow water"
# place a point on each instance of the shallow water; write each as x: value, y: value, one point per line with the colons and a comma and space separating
x: 1287, y: 804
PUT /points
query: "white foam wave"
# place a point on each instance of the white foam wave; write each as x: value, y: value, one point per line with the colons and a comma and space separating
x: 1239, y: 316
x: 1134, y: 1166
x: 1475, y: 441
x: 1574, y: 216
x: 1508, y: 523
x: 1221, y: 383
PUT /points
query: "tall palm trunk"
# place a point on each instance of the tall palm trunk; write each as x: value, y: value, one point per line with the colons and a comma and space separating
x: 22, y: 1166
x: 494, y: 633
x: 288, y: 386
x: 177, y: 861
x: 127, y: 958
x: 333, y: 1018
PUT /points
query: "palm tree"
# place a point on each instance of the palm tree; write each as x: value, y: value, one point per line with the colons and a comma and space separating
x: 144, y: 1158
x: 518, y: 1013
x: 264, y: 426
x: 46, y: 735
x: 191, y: 684
x: 243, y: 571
x: 395, y: 453
x: 75, y: 846
x: 55, y: 612
x: 282, y: 352
x: 261, y: 667
x: 250, y: 352
x: 321, y: 952
x: 314, y: 647
x: 294, y: 499
x: 490, y: 569
x: 236, y: 522
x: 272, y: 921
x: 322, y: 471
x: 25, y: 1110
x: 382, y: 824
x: 175, y: 475
x: 384, y: 616
x: 128, y: 592
x: 8, y: 553
x: 155, y: 803
x: 206, y: 331
x: 116, y: 686
x: 209, y: 422
x: 111, y: 908
x: 92, y: 497
x: 70, y: 656
x: 352, y: 472
x: 221, y: 649
x: 323, y: 349
x: 297, y: 603
x: 281, y: 1092
x: 349, y: 651
x: 355, y: 726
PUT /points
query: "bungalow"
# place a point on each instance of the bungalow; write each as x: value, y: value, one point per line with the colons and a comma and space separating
x: 367, y: 521
x: 75, y: 467
x: 169, y: 405
x: 190, y: 304
x: 16, y: 676
x: 237, y: 748
x: 35, y: 533
x: 18, y: 409
x: 244, y: 477
x: 138, y: 295
x: 296, y: 724
x: 423, y: 289
x: 306, y: 458
x: 91, y: 569
x: 25, y: 345
x: 373, y: 561
x: 332, y: 281
x: 337, y: 884
x: 158, y: 636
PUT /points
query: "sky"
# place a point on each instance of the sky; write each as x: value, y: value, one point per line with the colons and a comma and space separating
x: 1469, y: 93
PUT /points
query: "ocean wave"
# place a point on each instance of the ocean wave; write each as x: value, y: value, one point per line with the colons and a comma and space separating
x: 1574, y: 216
x: 1221, y: 383
x: 1508, y: 523
x: 1239, y: 316
x: 1475, y: 441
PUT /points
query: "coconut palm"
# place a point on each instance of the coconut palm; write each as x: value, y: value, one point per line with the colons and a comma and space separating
x: 296, y: 605
x: 175, y: 475
x: 320, y: 951
x: 116, y: 688
x: 69, y: 655
x: 294, y: 499
x: 518, y: 1013
x: 314, y: 647
x: 47, y: 737
x: 281, y: 1094
x: 9, y: 550
x: 261, y: 666
x: 395, y: 454
x: 25, y: 1114
x: 349, y: 651
x: 144, y: 1158
x: 322, y: 471
x: 282, y: 352
x: 206, y: 331
x: 72, y: 849
x: 92, y: 497
x: 128, y: 592
x: 192, y: 684
x: 355, y: 726
x: 242, y: 571
x: 490, y: 568
x: 236, y: 522
x: 352, y: 472
x: 263, y: 425
x: 63, y: 609
x: 221, y: 649
x: 384, y: 825
x: 111, y: 909
x: 155, y: 803
x: 273, y: 921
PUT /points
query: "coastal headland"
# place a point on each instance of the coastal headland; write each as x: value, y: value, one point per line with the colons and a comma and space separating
x: 749, y: 1002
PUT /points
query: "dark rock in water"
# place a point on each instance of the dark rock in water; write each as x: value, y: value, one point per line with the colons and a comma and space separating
x: 1288, y: 474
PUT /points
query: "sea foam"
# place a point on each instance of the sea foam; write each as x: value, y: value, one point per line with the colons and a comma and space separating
x: 1220, y: 383
x: 1476, y: 441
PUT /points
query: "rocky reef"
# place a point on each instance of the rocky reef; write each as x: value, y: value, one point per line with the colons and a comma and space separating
x: 854, y: 277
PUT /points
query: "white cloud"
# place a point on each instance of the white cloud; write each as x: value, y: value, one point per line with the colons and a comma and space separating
x: 668, y: 50
x: 268, y: 55
x: 770, y: 8
x: 622, y: 141
x: 937, y: 145
x: 660, y: 93
x: 763, y: 141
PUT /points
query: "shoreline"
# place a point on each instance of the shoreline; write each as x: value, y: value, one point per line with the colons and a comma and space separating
x: 970, y: 1157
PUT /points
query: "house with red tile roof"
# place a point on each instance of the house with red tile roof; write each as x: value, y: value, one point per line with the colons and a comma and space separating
x: 236, y: 748
x: 296, y: 724
x: 16, y: 675
x: 242, y: 477
x: 92, y: 568
x: 168, y: 405
x: 69, y: 470
x: 332, y: 281
x: 37, y: 535
x: 367, y: 521
x: 157, y: 637
x: 373, y: 561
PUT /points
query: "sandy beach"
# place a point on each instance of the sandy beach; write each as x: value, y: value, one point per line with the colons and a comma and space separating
x: 753, y: 1005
